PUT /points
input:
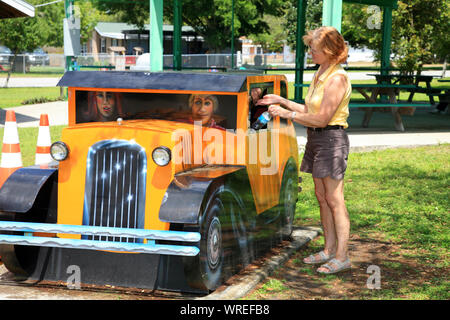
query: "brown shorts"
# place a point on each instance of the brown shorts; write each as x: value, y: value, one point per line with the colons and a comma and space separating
x: 326, y: 154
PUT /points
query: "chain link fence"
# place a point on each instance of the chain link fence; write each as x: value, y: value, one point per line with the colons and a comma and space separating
x: 55, y: 63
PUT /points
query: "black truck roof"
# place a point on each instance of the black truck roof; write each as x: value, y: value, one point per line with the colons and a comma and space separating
x: 155, y: 80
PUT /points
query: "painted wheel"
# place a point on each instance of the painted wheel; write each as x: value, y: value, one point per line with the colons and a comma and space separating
x: 214, y: 247
x: 288, y: 201
x: 204, y: 271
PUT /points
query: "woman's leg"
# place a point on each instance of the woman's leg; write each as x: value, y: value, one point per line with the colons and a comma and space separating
x: 326, y: 217
x: 334, y: 197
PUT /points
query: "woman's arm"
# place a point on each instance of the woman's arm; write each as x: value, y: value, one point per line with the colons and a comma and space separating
x: 333, y: 94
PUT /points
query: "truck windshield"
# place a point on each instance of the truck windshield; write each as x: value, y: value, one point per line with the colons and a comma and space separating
x: 212, y: 110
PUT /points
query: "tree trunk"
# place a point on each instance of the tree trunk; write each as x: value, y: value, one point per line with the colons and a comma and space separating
x: 11, y: 66
x: 444, y: 68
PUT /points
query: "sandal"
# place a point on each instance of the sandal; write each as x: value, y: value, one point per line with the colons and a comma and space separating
x: 323, y: 257
x: 335, y: 266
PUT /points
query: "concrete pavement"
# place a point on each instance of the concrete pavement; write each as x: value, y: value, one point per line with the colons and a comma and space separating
x: 28, y: 116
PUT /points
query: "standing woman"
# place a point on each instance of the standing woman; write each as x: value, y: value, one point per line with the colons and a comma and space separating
x: 325, y: 114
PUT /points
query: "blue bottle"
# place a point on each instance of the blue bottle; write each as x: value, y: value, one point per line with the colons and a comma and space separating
x: 262, y: 120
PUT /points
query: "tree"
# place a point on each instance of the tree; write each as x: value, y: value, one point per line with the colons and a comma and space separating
x: 419, y: 32
x: 419, y: 27
x: 274, y: 39
x: 313, y: 19
x: 20, y: 35
x: 210, y: 18
x: 54, y: 14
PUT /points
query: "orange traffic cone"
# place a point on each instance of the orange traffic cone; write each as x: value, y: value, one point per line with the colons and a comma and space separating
x: 11, y: 156
x: 43, y: 142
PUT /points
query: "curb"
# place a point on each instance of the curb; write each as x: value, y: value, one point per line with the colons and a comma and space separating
x: 300, y: 237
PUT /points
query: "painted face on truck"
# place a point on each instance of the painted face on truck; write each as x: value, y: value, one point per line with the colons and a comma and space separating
x: 202, y: 109
x: 106, y: 103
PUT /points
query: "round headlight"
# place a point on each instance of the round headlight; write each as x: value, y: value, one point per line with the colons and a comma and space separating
x: 59, y: 151
x: 161, y: 156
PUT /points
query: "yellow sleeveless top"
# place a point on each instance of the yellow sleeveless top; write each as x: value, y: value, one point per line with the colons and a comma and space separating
x: 315, y: 95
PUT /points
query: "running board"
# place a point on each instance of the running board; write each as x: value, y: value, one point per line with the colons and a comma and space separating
x: 150, y: 247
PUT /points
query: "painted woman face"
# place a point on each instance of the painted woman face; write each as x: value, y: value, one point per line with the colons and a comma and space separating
x: 202, y: 109
x: 106, y: 103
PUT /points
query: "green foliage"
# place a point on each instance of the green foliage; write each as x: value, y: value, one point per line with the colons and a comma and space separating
x: 21, y: 34
x: 418, y: 25
x: 313, y: 18
x: 419, y: 31
x: 211, y: 19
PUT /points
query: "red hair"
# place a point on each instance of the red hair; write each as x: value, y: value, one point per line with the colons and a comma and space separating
x: 330, y: 41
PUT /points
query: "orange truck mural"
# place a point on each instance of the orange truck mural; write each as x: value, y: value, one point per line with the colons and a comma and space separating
x: 159, y: 181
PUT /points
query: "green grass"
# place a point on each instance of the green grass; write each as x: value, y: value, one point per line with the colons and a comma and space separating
x: 36, y: 72
x: 401, y: 193
x: 13, y: 97
x: 398, y: 197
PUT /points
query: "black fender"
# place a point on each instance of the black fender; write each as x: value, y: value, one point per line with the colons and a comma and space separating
x: 28, y: 188
x: 188, y: 190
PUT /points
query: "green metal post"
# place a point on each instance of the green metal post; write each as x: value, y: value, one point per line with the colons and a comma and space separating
x: 68, y: 8
x: 232, y: 34
x: 386, y: 41
x: 156, y: 35
x: 177, y: 23
x: 332, y: 13
x: 300, y: 49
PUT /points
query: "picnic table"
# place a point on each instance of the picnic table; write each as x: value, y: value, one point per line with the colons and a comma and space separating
x: 413, y: 79
x: 371, y: 91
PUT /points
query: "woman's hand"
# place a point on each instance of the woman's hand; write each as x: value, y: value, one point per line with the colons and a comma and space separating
x: 279, y: 111
x: 269, y: 99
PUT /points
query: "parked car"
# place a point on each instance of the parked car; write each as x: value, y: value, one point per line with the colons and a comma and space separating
x: 160, y: 182
x: 5, y: 53
x: 39, y: 57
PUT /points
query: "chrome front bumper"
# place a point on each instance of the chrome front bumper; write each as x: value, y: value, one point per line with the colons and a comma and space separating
x: 150, y: 247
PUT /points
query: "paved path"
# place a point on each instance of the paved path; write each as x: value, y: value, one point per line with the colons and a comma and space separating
x: 28, y: 116
x: 30, y: 82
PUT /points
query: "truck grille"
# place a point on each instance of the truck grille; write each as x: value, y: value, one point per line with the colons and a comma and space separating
x: 116, y: 174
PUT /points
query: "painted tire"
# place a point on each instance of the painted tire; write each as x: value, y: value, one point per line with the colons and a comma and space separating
x: 288, y: 200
